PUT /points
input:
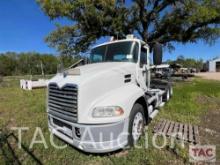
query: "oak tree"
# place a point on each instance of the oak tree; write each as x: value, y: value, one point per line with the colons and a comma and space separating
x: 164, y: 21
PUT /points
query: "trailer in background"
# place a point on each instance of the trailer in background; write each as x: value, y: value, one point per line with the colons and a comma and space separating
x: 29, y: 84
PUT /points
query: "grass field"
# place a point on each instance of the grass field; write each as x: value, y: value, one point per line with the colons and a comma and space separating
x: 196, y: 102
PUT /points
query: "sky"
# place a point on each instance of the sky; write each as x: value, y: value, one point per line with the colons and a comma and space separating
x: 24, y: 26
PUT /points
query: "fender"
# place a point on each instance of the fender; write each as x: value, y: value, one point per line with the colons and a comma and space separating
x: 125, y: 97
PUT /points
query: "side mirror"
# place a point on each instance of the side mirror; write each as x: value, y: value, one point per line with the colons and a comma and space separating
x: 157, y: 54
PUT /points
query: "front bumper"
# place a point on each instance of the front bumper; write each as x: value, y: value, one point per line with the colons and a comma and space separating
x: 92, y: 138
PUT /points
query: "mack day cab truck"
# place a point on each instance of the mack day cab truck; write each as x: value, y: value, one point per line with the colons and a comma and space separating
x: 103, y: 106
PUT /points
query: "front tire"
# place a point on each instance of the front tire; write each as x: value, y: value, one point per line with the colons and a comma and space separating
x: 137, y: 122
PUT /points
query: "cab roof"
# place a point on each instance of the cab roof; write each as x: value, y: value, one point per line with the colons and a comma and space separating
x: 121, y: 40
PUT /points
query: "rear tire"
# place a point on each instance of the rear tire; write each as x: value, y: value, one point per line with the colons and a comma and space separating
x: 137, y: 122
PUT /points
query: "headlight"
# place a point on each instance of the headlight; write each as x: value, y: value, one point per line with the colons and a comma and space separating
x: 111, y: 111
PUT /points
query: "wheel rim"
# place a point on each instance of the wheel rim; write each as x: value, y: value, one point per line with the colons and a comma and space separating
x: 137, y: 126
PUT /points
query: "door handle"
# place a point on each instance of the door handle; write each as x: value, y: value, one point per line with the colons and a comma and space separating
x: 144, y: 71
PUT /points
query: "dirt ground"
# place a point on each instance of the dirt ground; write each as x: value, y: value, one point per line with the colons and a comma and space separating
x: 209, y: 75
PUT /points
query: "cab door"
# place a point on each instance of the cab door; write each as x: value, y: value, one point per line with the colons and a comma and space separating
x: 142, y: 68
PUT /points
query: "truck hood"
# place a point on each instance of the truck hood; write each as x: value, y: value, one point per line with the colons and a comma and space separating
x: 98, y: 68
x: 83, y: 74
x: 95, y: 82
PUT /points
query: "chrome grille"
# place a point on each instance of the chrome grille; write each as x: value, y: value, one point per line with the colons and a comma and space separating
x: 62, y: 103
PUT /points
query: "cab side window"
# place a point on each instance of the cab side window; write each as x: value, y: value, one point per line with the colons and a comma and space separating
x: 143, y: 57
x: 135, y: 52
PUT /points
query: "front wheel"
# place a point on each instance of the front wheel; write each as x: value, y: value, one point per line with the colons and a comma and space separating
x: 136, y: 124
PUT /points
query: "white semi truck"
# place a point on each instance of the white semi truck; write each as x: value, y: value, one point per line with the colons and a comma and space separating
x: 103, y: 106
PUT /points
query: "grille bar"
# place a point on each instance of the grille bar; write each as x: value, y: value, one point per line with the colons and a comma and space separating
x: 63, y: 96
x: 67, y: 89
x: 64, y: 112
x: 61, y: 108
x: 66, y: 93
x: 62, y: 102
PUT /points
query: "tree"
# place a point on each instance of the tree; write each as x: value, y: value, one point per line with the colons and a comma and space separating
x: 164, y: 21
x: 8, y: 64
x: 180, y: 59
x: 12, y: 63
x: 50, y: 63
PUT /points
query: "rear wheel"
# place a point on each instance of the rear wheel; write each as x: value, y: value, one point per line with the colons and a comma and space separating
x: 136, y: 124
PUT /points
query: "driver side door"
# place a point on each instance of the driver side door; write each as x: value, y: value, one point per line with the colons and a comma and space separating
x: 142, y: 68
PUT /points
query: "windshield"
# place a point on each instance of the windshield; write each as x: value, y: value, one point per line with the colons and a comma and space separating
x: 115, y: 52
